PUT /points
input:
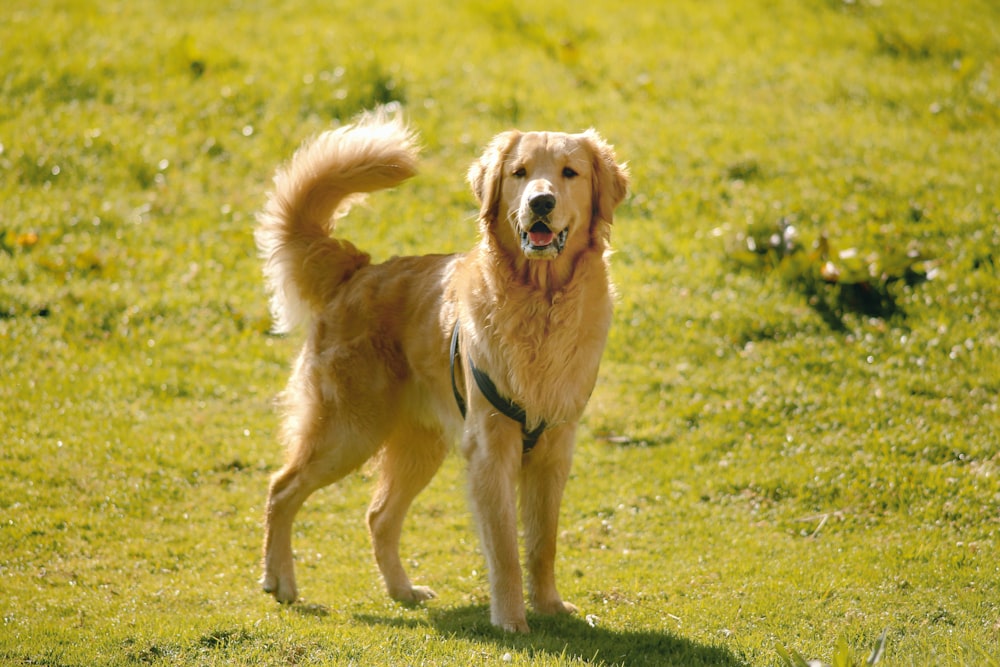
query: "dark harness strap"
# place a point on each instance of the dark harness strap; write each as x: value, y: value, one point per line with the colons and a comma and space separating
x: 504, y: 405
x: 454, y: 385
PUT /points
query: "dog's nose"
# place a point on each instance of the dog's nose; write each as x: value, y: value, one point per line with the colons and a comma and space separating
x: 542, y: 204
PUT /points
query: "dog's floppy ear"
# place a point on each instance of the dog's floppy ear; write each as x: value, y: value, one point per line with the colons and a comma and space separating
x: 486, y: 173
x: 610, y: 179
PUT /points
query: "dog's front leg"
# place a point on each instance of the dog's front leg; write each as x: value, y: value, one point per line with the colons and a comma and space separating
x: 494, y: 459
x: 543, y: 478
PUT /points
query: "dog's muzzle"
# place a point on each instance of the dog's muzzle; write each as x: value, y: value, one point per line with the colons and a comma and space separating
x: 539, y: 241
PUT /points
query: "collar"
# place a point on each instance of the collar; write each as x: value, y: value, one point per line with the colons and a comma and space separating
x: 488, y: 388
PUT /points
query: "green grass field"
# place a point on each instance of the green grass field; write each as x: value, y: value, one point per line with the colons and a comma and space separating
x: 775, y: 463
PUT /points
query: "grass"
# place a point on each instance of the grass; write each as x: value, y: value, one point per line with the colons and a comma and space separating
x: 756, y: 480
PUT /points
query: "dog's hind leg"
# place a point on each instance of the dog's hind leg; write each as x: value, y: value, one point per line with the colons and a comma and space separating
x: 288, y: 490
x: 332, y: 451
x: 409, y: 460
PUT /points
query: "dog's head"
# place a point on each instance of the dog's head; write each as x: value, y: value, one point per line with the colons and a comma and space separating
x: 542, y: 193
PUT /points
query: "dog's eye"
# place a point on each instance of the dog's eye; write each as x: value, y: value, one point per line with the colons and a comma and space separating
x: 520, y: 172
x: 569, y: 172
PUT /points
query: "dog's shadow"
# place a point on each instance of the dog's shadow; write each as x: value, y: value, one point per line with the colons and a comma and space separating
x: 569, y: 637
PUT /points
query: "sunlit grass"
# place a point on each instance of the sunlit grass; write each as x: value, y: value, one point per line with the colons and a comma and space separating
x: 758, y: 478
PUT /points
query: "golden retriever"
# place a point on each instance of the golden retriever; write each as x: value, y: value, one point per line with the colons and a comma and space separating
x: 528, y: 308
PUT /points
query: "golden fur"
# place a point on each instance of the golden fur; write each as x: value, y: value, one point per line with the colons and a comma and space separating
x: 533, y: 304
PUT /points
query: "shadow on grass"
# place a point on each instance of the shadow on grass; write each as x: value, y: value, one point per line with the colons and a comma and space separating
x: 570, y: 637
x: 312, y: 609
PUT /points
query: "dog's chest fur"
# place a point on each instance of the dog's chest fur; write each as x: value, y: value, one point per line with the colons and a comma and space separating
x: 543, y: 350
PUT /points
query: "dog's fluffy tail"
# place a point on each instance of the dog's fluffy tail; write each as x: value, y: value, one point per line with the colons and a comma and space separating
x: 302, y: 263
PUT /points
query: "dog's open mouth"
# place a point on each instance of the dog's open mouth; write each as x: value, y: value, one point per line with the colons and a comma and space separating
x: 542, y: 242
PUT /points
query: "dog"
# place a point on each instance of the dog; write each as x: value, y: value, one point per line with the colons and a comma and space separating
x: 498, y: 346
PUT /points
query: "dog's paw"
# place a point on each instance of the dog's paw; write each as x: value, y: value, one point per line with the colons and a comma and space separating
x: 284, y: 593
x: 516, y: 625
x: 422, y: 594
x: 413, y: 594
x: 556, y: 606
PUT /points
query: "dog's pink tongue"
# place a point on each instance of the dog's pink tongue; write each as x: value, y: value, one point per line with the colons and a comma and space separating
x: 541, y: 238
